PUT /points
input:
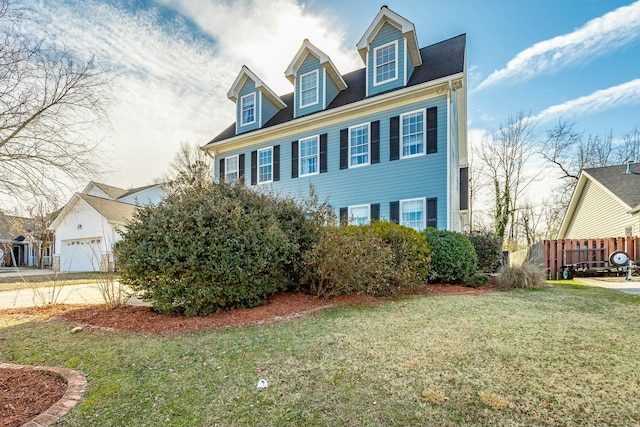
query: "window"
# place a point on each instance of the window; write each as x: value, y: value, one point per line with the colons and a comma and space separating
x: 248, y: 109
x: 412, y: 133
x: 309, y: 155
x: 309, y: 89
x: 385, y: 64
x: 412, y: 213
x: 359, y: 215
x: 359, y: 145
x: 231, y: 169
x: 265, y: 165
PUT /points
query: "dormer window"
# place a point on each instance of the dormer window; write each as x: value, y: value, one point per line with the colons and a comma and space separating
x: 385, y: 63
x: 248, y: 109
x: 309, y: 89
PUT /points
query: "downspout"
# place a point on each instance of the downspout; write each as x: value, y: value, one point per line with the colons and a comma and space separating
x: 449, y: 147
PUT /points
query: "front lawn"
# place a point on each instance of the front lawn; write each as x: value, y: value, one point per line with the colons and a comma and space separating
x: 566, y: 355
x: 14, y: 283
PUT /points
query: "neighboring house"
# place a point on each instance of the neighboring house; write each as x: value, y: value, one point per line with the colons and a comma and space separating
x: 388, y: 141
x: 16, y: 241
x: 605, y: 203
x: 87, y: 227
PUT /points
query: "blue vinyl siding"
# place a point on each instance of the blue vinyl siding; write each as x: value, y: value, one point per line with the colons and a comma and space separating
x: 332, y: 90
x: 269, y: 110
x: 410, y: 65
x: 417, y: 177
x: 310, y: 63
x: 387, y: 34
x: 247, y: 88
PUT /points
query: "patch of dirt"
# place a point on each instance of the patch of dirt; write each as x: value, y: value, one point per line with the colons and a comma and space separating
x: 24, y: 394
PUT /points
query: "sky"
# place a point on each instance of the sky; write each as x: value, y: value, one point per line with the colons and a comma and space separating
x: 173, y: 61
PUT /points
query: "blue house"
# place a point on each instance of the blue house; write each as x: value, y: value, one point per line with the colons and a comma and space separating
x: 388, y: 141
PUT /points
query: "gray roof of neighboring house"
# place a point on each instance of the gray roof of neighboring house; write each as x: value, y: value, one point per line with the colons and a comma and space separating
x: 14, y: 226
x: 112, y: 210
x: 136, y: 190
x: 113, y: 192
x: 625, y: 186
x: 439, y: 60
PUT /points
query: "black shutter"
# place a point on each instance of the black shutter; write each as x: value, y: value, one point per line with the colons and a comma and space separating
x: 375, y: 142
x: 221, y: 176
x: 464, y: 188
x: 276, y: 163
x: 432, y: 212
x: 394, y: 140
x: 294, y: 159
x: 344, y: 148
x: 254, y: 167
x: 344, y: 216
x: 432, y: 130
x: 375, y: 211
x: 323, y: 153
x: 394, y: 212
x: 241, y: 168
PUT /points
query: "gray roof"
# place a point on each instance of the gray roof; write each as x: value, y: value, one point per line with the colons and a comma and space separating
x: 112, y: 210
x: 439, y: 60
x: 14, y: 226
x: 113, y: 192
x: 625, y: 186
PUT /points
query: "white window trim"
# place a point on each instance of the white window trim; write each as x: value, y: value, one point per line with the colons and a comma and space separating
x: 424, y: 133
x: 424, y: 210
x: 258, y: 165
x: 368, y: 125
x: 255, y: 109
x: 316, y: 89
x: 317, y: 138
x: 375, y: 63
x: 357, y: 207
x: 226, y: 167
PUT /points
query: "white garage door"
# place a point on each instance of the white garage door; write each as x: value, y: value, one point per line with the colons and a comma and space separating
x: 80, y: 255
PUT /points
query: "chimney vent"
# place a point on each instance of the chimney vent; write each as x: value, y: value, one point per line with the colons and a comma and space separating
x: 629, y: 171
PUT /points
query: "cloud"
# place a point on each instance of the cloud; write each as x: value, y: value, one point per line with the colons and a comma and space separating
x: 601, y: 100
x: 597, y: 37
x: 174, y: 62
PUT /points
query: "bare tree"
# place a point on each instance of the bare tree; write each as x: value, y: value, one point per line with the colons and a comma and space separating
x: 190, y: 167
x: 49, y: 98
x: 503, y: 157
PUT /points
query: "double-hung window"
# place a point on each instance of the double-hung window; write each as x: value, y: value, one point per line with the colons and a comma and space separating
x: 359, y: 215
x: 309, y: 89
x: 231, y: 169
x: 385, y: 63
x: 359, y: 143
x: 309, y: 155
x: 412, y: 133
x: 265, y: 165
x: 412, y: 213
x: 248, y: 109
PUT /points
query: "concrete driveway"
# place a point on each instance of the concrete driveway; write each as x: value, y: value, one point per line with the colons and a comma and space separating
x: 616, y: 283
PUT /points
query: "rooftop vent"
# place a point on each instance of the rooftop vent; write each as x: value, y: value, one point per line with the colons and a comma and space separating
x: 629, y: 171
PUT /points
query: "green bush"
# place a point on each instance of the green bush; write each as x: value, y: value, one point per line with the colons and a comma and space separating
x: 453, y: 259
x: 349, y: 259
x: 488, y: 247
x: 525, y: 276
x: 213, y: 248
x: 411, y: 252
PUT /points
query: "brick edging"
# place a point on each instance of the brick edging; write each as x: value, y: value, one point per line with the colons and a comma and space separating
x: 76, y: 387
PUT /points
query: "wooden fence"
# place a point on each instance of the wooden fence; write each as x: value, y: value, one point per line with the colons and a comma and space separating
x: 591, y: 255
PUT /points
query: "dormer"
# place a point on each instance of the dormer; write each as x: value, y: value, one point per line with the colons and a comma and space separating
x: 389, y: 49
x: 315, y: 78
x: 255, y: 102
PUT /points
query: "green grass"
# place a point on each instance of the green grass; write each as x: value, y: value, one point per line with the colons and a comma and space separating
x: 566, y: 355
x: 14, y: 283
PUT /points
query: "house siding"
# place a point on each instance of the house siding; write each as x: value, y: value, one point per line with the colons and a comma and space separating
x: 269, y: 109
x: 387, y: 34
x: 332, y: 90
x: 598, y: 214
x: 383, y: 182
x: 145, y: 197
x: 310, y: 63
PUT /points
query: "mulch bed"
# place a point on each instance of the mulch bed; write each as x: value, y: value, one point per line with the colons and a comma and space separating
x: 25, y: 394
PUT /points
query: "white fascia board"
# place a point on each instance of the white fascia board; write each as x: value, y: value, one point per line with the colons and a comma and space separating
x: 246, y: 73
x: 65, y: 211
x: 309, y: 48
x: 439, y: 86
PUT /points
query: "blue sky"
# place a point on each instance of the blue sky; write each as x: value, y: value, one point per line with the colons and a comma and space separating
x: 174, y: 61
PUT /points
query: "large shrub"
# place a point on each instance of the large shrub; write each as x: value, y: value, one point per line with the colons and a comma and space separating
x: 349, y: 259
x: 411, y: 253
x: 453, y: 259
x: 525, y: 276
x: 212, y: 248
x: 488, y: 247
